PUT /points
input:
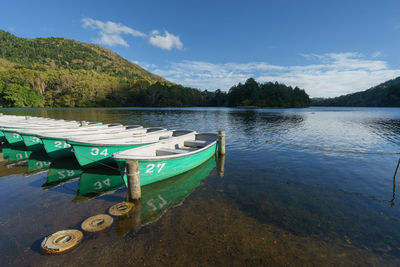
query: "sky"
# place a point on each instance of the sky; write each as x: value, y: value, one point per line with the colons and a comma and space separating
x: 328, y: 48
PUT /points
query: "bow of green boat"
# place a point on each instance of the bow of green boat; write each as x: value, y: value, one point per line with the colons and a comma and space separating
x: 13, y: 138
x: 169, y: 157
x: 93, y: 152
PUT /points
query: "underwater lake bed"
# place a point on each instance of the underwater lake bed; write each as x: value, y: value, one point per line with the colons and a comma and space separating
x: 311, y: 186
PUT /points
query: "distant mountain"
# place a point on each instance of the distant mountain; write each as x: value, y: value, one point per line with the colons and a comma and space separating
x: 386, y: 94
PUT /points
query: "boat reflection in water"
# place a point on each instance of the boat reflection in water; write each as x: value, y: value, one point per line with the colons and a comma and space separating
x: 158, y: 197
x: 18, y: 154
x: 5, y: 149
x: 61, y: 171
x: 93, y: 182
x: 38, y: 161
x: 97, y: 181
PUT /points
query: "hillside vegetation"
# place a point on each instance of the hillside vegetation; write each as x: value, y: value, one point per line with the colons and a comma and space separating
x: 386, y: 94
x: 58, y: 72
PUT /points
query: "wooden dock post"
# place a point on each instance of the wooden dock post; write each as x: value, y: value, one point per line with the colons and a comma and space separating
x: 133, y: 179
x: 221, y: 141
x: 84, y: 123
x: 1, y: 114
x: 27, y: 117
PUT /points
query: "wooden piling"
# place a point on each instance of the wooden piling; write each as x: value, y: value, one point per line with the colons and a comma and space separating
x: 221, y: 141
x: 1, y: 114
x: 84, y: 123
x: 132, y: 173
x: 27, y: 117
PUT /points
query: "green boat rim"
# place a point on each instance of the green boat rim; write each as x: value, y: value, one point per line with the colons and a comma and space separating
x: 107, y: 144
x: 189, y: 153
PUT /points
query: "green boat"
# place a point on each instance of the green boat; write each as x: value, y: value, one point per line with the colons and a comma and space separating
x: 56, y: 145
x: 97, y: 181
x: 38, y: 161
x: 158, y: 197
x: 32, y: 142
x: 61, y: 171
x: 93, y: 152
x: 2, y: 137
x: 13, y: 138
x: 169, y: 157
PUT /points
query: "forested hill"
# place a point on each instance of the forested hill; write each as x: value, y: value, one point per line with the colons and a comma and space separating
x: 61, y: 53
x: 386, y: 94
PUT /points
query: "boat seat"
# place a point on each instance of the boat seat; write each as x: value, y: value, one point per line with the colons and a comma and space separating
x: 196, y: 143
x: 169, y: 151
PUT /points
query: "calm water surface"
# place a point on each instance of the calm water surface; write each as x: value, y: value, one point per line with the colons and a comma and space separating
x: 322, y: 192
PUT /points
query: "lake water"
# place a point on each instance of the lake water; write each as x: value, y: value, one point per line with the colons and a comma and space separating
x: 321, y: 192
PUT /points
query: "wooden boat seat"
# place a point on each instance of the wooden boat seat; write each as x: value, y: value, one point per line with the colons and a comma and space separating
x: 196, y: 143
x: 169, y: 151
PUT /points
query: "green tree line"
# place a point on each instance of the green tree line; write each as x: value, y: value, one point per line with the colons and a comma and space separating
x: 22, y: 87
x: 386, y: 94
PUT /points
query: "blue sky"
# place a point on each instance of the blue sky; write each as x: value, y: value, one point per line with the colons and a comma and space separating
x: 329, y: 48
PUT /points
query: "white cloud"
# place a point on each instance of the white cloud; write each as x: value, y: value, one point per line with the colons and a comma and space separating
x: 167, y: 42
x: 110, y: 32
x: 333, y: 74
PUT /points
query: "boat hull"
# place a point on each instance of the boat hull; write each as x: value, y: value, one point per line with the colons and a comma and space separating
x: 32, y: 142
x: 151, y: 171
x: 90, y: 155
x: 57, y: 147
x: 2, y: 137
x: 13, y: 138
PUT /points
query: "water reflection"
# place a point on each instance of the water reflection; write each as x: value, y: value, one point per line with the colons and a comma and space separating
x: 158, y: 197
x: 38, y: 161
x: 61, y: 171
x: 18, y: 154
x: 5, y: 149
x: 97, y: 181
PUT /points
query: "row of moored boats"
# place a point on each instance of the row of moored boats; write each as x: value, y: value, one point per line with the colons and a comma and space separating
x: 161, y: 153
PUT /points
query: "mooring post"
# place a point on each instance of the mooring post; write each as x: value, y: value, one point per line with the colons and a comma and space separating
x: 1, y: 114
x: 221, y: 141
x: 84, y: 123
x: 132, y: 173
x: 27, y: 117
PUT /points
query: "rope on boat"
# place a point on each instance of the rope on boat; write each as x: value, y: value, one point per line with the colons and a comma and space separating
x: 311, y: 147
